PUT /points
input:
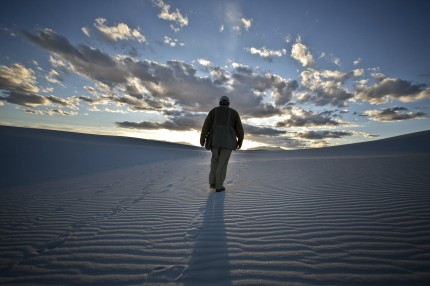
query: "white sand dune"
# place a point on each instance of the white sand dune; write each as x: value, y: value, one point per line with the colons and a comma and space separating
x: 287, y: 218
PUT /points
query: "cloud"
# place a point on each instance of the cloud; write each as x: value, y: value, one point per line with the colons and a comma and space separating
x: 119, y: 32
x: 178, y: 121
x: 52, y: 112
x: 86, y: 31
x: 86, y: 61
x: 331, y: 58
x: 261, y: 131
x: 172, y: 42
x: 297, y: 117
x: 265, y: 53
x: 247, y: 23
x: 323, y: 88
x: 176, y: 17
x: 328, y: 134
x: 20, y: 85
x: 54, y: 77
x: 358, y: 72
x: 357, y: 61
x: 25, y: 99
x: 300, y: 52
x: 389, y: 89
x: 55, y: 61
x: 204, y: 62
x: 18, y: 78
x: 393, y: 114
x: 70, y: 102
x: 324, y: 134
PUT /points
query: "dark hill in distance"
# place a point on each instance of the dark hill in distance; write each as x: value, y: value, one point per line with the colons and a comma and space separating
x: 29, y: 155
x: 418, y: 142
x: 413, y: 143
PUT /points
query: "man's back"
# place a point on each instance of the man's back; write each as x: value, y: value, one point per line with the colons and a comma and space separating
x: 225, y: 126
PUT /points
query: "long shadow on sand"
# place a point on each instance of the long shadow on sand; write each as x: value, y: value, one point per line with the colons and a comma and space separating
x: 209, y: 263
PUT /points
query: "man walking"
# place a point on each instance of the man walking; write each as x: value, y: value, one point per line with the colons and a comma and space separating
x: 222, y: 132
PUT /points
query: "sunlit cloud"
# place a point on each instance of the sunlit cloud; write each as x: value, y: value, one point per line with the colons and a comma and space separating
x: 176, y: 16
x: 52, y: 112
x: 331, y: 134
x: 265, y: 53
x: 18, y: 78
x: 172, y: 42
x: 301, y: 53
x: 119, y: 32
x: 86, y: 31
x: 56, y: 61
x: 389, y: 89
x: 393, y: 114
x: 204, y: 62
x: 21, y: 88
x: 247, y: 23
x: 357, y: 61
x: 323, y: 88
x: 297, y: 117
x: 54, y: 77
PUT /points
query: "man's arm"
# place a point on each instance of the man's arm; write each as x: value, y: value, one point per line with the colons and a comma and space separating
x: 239, y: 131
x: 206, y: 128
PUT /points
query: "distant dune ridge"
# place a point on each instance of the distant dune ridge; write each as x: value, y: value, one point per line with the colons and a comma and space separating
x: 79, y: 209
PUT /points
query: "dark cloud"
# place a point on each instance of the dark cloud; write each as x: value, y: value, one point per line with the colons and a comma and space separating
x: 69, y: 102
x: 324, y: 134
x: 321, y: 96
x: 88, y: 99
x: 303, y: 118
x: 51, y: 112
x: 84, y: 60
x: 389, y: 89
x: 393, y: 114
x: 148, y: 125
x: 24, y: 99
x: 261, y: 131
x: 178, y: 121
x: 286, y: 142
x: 19, y: 83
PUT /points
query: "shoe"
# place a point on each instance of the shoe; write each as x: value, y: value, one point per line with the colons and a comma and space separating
x: 212, y: 186
x: 220, y: 190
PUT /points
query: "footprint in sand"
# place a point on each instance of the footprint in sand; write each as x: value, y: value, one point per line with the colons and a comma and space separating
x: 168, y: 188
x: 166, y: 274
x: 54, y: 243
x: 193, y: 232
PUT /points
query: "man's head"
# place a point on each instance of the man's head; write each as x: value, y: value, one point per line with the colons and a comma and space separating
x: 224, y: 101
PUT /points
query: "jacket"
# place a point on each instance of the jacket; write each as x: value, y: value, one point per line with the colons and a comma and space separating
x: 225, y: 128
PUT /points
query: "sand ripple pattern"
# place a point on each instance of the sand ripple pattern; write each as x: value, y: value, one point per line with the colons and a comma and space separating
x: 282, y: 221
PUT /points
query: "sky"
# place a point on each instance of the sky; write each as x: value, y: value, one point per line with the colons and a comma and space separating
x: 301, y: 74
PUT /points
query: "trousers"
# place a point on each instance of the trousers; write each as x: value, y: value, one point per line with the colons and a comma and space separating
x: 219, y: 162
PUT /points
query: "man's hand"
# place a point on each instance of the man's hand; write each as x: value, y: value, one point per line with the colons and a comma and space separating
x: 202, y: 142
x: 239, y: 145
